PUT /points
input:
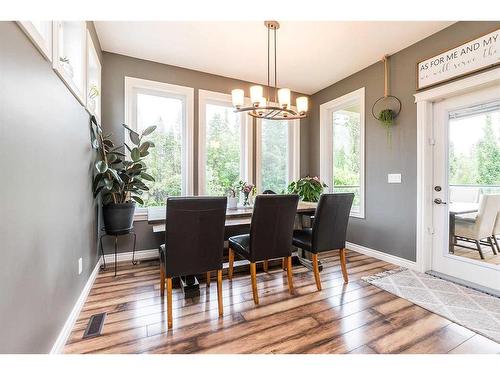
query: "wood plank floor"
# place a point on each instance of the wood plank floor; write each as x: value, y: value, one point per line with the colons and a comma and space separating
x: 342, y: 318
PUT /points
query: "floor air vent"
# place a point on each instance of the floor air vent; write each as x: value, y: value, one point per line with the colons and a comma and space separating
x: 94, y: 327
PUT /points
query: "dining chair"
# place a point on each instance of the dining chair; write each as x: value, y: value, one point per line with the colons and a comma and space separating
x: 480, y: 227
x: 496, y: 232
x: 194, y: 242
x: 270, y: 236
x: 328, y: 231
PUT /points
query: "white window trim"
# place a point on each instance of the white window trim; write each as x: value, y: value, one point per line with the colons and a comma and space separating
x: 92, y: 53
x: 211, y: 97
x: 78, y: 92
x: 326, y: 143
x: 187, y: 93
x: 42, y: 43
x: 293, y: 170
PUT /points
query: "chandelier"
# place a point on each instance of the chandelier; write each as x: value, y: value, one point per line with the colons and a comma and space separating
x: 262, y: 107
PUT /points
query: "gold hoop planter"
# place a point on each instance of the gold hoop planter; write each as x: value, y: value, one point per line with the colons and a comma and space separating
x: 386, y: 108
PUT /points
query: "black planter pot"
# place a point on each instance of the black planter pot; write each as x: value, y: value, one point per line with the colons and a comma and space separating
x: 118, y: 217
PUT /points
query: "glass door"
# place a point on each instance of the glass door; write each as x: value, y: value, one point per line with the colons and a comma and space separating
x: 466, y: 187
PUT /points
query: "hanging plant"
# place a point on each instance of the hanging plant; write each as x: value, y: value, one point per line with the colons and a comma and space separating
x: 388, y: 106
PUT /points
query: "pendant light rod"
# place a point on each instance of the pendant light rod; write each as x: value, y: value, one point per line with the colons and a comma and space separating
x: 262, y: 107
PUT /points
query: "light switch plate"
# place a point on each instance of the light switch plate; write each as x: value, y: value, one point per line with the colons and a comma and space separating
x: 80, y: 265
x: 394, y: 178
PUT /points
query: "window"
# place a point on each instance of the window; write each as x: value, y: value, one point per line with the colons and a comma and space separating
x: 278, y: 153
x: 40, y: 33
x: 93, y: 79
x: 224, y: 144
x: 342, y: 147
x: 169, y: 107
x: 69, y: 55
x: 474, y: 152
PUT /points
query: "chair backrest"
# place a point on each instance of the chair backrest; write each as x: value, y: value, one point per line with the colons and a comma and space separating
x: 330, y: 221
x: 496, y: 227
x: 194, y: 236
x: 489, y: 206
x: 464, y: 194
x: 271, y: 231
x: 268, y: 192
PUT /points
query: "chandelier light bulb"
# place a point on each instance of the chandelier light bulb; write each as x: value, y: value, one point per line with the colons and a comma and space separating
x: 256, y: 92
x: 302, y: 104
x: 284, y: 98
x: 238, y: 97
x: 262, y: 104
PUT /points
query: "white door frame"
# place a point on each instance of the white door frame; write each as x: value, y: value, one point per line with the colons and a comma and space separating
x: 425, y: 102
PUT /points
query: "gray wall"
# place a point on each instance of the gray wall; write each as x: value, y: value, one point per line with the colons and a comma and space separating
x: 47, y: 213
x: 390, y: 223
x: 117, y: 67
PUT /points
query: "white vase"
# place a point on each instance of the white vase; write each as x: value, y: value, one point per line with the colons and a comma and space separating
x: 232, y: 203
x: 92, y: 105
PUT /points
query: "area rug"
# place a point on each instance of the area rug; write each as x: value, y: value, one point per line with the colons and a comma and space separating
x: 470, y: 308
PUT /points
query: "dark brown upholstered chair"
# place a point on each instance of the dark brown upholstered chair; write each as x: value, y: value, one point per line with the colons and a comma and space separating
x: 328, y: 231
x: 270, y: 235
x: 194, y: 242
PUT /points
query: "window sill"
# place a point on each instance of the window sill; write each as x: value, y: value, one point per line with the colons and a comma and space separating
x: 141, y: 216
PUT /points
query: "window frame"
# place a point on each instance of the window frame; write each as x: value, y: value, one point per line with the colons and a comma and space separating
x: 92, y: 55
x: 293, y: 162
x: 42, y: 42
x: 326, y: 142
x: 132, y: 87
x: 206, y: 97
x: 80, y: 93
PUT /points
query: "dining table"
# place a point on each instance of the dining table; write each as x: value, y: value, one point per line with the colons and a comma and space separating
x: 458, y: 208
x: 237, y: 220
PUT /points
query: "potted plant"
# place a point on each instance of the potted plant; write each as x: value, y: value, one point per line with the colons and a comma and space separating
x: 247, y: 190
x: 118, y: 181
x: 386, y: 117
x: 66, y: 65
x: 309, y: 189
x: 93, y: 93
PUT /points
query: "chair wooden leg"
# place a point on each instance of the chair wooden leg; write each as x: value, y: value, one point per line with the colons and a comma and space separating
x: 219, y: 292
x: 162, y: 280
x: 343, y: 266
x: 496, y: 244
x: 253, y: 275
x: 169, y: 302
x: 231, y: 262
x: 316, y: 270
x: 283, y: 264
x: 289, y: 274
x: 265, y: 265
x: 492, y: 246
x: 208, y: 279
x: 478, y: 244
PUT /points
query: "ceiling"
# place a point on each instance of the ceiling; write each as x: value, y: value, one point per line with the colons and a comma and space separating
x: 311, y: 54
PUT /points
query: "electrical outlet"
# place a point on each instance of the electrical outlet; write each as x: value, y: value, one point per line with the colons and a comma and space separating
x: 80, y: 266
x: 394, y: 178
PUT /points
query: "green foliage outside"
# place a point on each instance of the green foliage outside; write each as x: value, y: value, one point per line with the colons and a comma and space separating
x: 481, y: 166
x: 223, y: 150
x: 164, y: 164
x: 274, y: 155
x: 346, y: 158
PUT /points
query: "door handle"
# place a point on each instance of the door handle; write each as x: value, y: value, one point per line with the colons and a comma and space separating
x: 439, y: 201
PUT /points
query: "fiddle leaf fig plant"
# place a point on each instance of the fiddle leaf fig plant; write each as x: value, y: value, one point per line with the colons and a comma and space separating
x: 117, y: 179
x: 308, y: 188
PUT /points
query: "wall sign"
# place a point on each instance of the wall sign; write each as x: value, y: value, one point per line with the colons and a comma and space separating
x: 470, y: 57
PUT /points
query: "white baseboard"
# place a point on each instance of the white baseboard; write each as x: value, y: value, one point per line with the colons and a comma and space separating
x: 382, y: 256
x: 70, y: 322
x: 127, y: 257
